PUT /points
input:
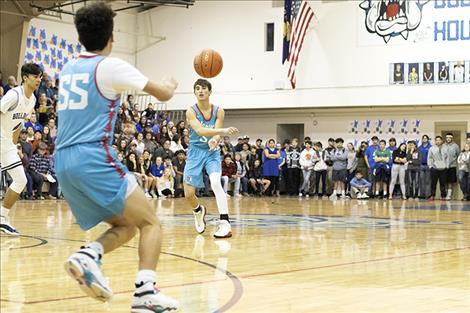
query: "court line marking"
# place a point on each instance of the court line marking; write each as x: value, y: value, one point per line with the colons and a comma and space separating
x: 351, y: 263
x: 41, y: 241
x: 237, y: 285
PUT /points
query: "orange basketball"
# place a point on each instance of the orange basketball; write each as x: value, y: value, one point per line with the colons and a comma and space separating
x: 208, y: 63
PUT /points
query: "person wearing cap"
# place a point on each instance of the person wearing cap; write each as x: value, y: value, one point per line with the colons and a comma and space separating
x: 26, y: 146
x: 40, y: 169
x: 239, y: 145
x: 370, y: 162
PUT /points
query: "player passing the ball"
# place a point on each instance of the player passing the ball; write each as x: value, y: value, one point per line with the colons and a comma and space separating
x: 95, y: 184
x: 206, y: 121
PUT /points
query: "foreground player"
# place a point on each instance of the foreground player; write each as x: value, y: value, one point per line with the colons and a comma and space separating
x: 17, y: 103
x: 95, y: 184
x: 204, y: 153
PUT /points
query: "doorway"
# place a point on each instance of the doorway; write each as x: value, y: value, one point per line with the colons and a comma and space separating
x: 289, y: 131
x: 458, y: 129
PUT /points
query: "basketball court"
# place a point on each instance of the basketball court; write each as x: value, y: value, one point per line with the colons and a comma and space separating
x: 286, y: 255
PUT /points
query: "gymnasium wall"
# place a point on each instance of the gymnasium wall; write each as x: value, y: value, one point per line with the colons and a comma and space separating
x: 53, y: 42
x: 341, y: 62
x: 321, y: 124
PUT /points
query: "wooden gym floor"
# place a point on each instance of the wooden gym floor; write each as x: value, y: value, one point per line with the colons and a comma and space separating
x: 287, y: 255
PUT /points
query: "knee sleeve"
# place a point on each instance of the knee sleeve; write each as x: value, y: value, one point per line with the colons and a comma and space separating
x: 220, y: 195
x: 19, y: 179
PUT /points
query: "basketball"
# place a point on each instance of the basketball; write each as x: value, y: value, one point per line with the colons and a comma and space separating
x: 208, y: 63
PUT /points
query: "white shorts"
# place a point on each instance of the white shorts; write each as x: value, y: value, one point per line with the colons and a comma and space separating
x: 9, y: 157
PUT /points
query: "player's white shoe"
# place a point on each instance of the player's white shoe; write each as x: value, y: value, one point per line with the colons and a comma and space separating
x: 200, y: 219
x: 224, y: 230
x: 84, y: 267
x: 6, y: 227
x: 148, y: 299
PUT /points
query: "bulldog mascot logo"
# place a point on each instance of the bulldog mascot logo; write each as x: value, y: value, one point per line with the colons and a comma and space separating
x: 391, y: 18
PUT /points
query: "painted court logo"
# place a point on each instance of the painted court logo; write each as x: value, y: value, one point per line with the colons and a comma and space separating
x: 391, y: 18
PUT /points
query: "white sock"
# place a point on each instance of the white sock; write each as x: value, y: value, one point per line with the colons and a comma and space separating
x: 334, y: 192
x: 97, y: 247
x: 385, y: 193
x: 145, y: 276
x: 342, y: 192
x: 4, y: 212
x: 449, y: 193
x: 220, y: 195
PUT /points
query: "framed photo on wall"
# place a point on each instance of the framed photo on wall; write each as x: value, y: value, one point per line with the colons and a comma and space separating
x: 443, y: 72
x: 428, y: 72
x: 457, y: 72
x: 397, y: 73
x: 413, y: 73
x: 467, y: 70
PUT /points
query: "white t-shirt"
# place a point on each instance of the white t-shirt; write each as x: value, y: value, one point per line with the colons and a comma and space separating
x: 458, y: 74
x: 114, y: 76
x: 14, y: 109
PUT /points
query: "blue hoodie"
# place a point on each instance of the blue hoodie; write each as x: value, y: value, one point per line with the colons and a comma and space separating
x: 424, y: 152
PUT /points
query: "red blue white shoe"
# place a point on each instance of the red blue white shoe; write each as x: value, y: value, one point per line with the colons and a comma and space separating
x: 84, y: 267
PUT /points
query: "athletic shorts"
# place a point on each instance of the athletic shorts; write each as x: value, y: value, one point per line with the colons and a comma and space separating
x: 339, y: 175
x: 94, y: 182
x: 452, y: 175
x: 381, y: 175
x: 9, y: 156
x: 198, y: 160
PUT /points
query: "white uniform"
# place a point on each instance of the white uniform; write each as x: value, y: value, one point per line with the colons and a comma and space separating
x: 14, y: 108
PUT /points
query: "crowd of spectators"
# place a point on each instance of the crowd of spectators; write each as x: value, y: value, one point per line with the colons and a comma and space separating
x: 154, y: 147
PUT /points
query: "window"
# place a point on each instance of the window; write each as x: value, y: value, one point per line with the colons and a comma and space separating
x: 269, y: 46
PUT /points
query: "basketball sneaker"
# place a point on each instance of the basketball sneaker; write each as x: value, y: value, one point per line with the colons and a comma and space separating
x: 148, y: 299
x: 224, y: 230
x: 84, y: 267
x: 6, y: 227
x: 200, y: 219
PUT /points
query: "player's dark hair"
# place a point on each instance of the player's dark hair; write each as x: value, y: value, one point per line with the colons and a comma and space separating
x: 30, y: 69
x: 94, y: 25
x: 203, y: 83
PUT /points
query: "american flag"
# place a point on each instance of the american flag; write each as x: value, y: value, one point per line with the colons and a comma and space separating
x: 302, y: 15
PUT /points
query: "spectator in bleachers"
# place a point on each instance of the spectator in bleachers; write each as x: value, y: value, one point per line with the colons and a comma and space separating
x: 30, y: 134
x: 180, y: 127
x: 149, y: 143
x: 425, y: 172
x: 168, y: 162
x: 2, y: 92
x: 150, y: 113
x: 29, y: 181
x: 185, y: 143
x: 382, y: 169
x: 361, y: 161
x: 140, y: 126
x: 438, y: 162
x: 464, y: 171
x: 352, y: 165
x: 11, y: 83
x: 165, y: 151
x: 40, y: 169
x: 241, y: 178
x: 320, y: 169
x: 165, y: 184
x: 123, y: 148
x: 398, y: 171
x: 52, y: 128
x: 33, y: 123
x: 413, y: 163
x: 46, y: 136
x: 250, y: 160
x: 257, y: 181
x: 370, y: 161
x: 26, y: 146
x: 175, y: 144
x: 245, y: 152
x: 329, y: 163
x: 226, y: 147
x: 229, y: 173
x: 239, y: 145
x: 339, y: 157
x: 359, y: 187
x: 454, y: 152
x: 44, y: 110
x: 156, y: 170
x: 282, y: 165
x: 173, y: 132
x: 270, y: 165
x: 293, y: 167
x: 37, y: 140
x: 179, y: 164
x: 140, y: 145
x: 163, y: 136
x: 259, y: 149
x: 147, y: 179
x: 306, y: 162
